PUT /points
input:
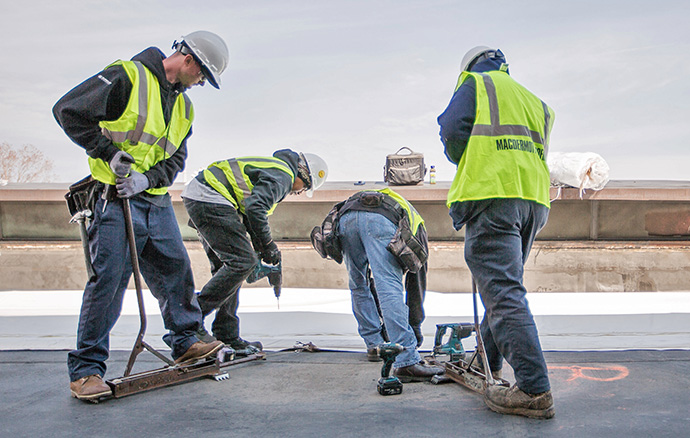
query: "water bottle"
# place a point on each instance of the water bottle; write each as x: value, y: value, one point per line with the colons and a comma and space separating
x: 432, y: 175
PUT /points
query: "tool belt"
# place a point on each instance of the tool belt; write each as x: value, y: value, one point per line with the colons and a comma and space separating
x: 409, y: 249
x: 82, y: 195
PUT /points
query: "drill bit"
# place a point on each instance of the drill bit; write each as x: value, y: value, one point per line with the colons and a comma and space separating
x: 276, y: 292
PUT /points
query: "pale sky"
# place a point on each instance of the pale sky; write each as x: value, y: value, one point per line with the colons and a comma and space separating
x: 356, y: 80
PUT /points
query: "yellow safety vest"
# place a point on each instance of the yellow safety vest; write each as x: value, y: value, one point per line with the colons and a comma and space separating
x: 506, y: 154
x: 228, y: 178
x: 415, y: 218
x: 141, y: 130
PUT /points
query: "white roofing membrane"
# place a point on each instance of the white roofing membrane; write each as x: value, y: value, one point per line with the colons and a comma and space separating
x: 566, y: 321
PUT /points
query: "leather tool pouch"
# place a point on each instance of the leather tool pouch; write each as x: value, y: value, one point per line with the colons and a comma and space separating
x: 82, y: 195
x: 371, y: 199
x: 407, y: 248
x: 324, y: 238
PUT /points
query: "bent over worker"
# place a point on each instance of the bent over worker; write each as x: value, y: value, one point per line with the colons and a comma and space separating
x: 134, y: 119
x: 497, y: 132
x: 381, y: 232
x: 228, y: 204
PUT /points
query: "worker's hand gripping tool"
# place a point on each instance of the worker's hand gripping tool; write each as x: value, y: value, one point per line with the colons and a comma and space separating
x: 274, y: 274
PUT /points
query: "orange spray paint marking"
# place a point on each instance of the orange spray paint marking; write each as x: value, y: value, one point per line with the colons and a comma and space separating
x: 579, y: 372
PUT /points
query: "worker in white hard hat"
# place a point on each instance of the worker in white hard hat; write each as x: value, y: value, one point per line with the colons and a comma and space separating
x: 497, y: 133
x: 133, y: 120
x: 228, y: 204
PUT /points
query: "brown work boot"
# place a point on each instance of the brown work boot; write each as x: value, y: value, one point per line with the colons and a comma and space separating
x: 199, y: 350
x: 89, y: 388
x: 419, y: 372
x: 516, y: 402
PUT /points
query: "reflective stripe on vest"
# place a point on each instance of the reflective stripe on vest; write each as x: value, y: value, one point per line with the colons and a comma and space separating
x: 506, y: 154
x: 228, y: 178
x: 141, y: 130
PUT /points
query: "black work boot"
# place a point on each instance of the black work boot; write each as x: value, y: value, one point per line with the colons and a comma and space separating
x: 514, y: 401
x: 240, y: 344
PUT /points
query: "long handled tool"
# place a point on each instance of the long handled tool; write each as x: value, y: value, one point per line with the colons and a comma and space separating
x: 169, y: 375
x: 139, y: 344
x: 480, y: 340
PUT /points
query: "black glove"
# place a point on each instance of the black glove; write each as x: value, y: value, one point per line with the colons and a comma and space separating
x: 121, y: 163
x: 135, y: 183
x: 270, y: 253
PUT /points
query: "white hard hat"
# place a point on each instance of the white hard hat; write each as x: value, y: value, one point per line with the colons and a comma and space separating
x: 475, y: 53
x: 209, y: 49
x: 318, y: 171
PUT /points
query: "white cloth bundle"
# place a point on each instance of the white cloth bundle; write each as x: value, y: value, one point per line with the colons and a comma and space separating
x: 582, y: 170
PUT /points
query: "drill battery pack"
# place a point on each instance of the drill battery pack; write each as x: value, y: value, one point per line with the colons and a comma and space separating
x: 389, y: 386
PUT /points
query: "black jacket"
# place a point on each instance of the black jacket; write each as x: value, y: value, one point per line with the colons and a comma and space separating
x: 105, y: 97
x: 271, y: 186
x: 456, y: 126
x: 458, y: 119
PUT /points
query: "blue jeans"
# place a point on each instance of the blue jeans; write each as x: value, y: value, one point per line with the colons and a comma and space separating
x: 225, y: 240
x: 165, y: 266
x: 364, y: 236
x: 498, y: 238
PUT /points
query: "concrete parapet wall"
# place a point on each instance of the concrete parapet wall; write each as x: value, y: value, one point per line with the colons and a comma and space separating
x: 551, y: 267
x: 623, y: 210
x: 630, y: 236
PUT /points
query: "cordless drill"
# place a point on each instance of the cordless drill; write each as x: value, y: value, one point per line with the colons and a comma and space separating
x: 275, y: 279
x: 274, y: 274
x: 389, y: 385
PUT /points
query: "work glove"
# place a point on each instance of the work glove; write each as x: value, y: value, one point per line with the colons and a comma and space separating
x: 270, y: 253
x: 135, y: 183
x: 121, y: 163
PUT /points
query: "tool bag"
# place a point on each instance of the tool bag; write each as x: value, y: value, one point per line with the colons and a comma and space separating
x: 408, y: 248
x: 82, y: 195
x: 324, y: 238
x: 81, y: 202
x: 404, y: 169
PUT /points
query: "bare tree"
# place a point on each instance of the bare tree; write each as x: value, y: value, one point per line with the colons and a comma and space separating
x: 25, y: 164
